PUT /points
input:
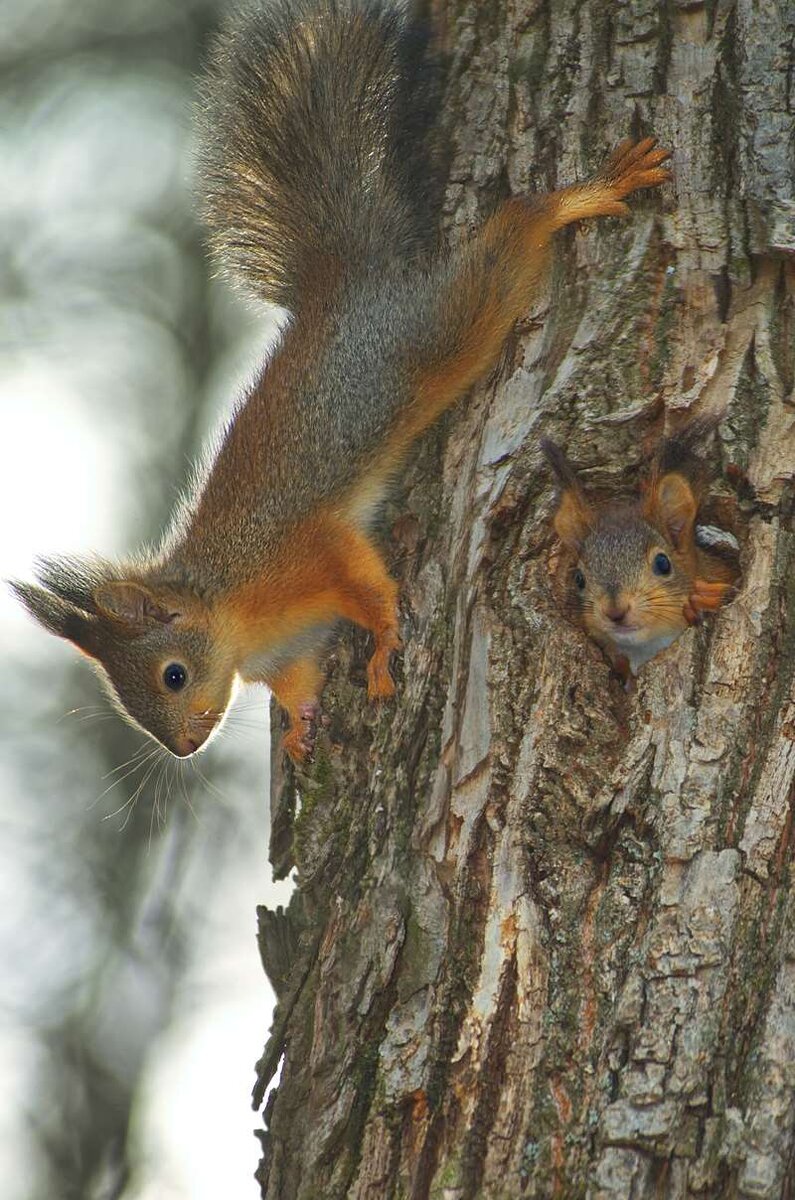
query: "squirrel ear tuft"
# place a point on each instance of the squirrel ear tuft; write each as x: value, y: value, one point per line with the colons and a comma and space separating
x: 131, y: 604
x: 73, y: 579
x: 672, y: 506
x: 574, y: 516
x: 58, y: 616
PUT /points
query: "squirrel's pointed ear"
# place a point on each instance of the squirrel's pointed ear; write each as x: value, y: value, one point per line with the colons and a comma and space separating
x: 58, y: 616
x: 573, y: 520
x: 671, y: 506
x: 131, y: 604
x: 574, y: 517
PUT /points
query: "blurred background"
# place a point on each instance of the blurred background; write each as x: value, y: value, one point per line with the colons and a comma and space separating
x: 132, y: 1001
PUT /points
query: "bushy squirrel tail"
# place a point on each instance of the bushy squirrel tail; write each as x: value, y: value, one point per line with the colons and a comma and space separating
x: 318, y: 156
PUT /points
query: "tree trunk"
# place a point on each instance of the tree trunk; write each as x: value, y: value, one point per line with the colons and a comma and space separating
x: 543, y: 943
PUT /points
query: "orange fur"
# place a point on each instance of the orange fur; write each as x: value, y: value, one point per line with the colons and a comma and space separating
x: 330, y: 570
x: 295, y: 687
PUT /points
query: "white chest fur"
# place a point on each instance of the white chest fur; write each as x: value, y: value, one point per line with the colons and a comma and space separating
x: 642, y: 652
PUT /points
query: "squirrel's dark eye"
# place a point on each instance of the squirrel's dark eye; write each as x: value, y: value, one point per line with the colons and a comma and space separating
x: 579, y: 580
x: 175, y: 677
x: 661, y: 564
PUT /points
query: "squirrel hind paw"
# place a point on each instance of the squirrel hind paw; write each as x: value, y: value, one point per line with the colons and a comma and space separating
x: 634, y: 165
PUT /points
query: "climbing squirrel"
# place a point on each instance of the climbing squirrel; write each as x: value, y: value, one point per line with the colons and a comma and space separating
x: 637, y: 574
x: 318, y: 151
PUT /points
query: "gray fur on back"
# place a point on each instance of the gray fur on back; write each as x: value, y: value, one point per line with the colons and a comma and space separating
x: 293, y: 455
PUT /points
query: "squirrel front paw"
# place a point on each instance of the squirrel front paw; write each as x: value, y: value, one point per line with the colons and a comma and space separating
x: 299, y: 741
x: 705, y: 597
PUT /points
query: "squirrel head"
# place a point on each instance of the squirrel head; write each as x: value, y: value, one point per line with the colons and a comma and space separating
x: 153, y: 646
x: 631, y: 565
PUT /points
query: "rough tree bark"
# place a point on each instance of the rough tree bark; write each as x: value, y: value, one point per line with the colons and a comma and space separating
x: 543, y: 942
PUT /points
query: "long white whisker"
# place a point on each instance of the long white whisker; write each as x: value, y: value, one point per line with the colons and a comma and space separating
x: 130, y: 771
x: 185, y: 792
x: 155, y: 810
x: 161, y: 788
x: 141, y: 786
x: 224, y: 800
x: 236, y: 722
x: 91, y: 709
x: 130, y: 803
x: 141, y: 749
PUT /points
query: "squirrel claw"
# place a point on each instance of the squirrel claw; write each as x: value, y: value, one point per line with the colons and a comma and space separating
x: 294, y: 746
x: 299, y: 743
x: 634, y: 165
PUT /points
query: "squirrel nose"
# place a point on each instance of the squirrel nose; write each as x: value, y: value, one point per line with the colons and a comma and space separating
x: 185, y: 746
x: 616, y: 612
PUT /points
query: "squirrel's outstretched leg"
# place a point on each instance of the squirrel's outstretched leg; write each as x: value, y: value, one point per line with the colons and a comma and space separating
x: 631, y: 166
x: 368, y: 596
x: 297, y: 688
x: 484, y: 286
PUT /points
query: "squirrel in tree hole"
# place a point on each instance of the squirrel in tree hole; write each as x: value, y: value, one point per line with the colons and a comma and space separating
x: 317, y: 159
x: 639, y: 573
